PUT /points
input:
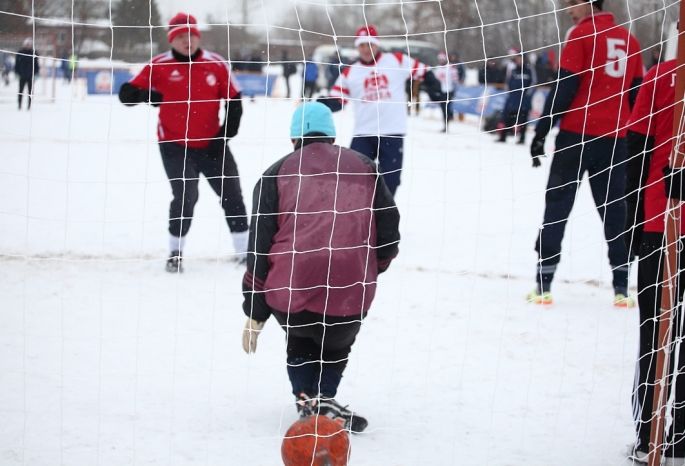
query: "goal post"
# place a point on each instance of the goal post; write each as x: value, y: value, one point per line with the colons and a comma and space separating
x: 670, y: 301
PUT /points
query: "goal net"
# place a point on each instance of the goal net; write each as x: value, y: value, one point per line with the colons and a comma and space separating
x: 110, y: 356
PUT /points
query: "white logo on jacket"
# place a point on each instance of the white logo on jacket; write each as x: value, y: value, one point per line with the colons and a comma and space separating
x: 175, y: 76
x: 211, y: 79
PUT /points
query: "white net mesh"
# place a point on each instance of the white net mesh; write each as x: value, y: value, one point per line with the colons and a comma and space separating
x: 108, y: 359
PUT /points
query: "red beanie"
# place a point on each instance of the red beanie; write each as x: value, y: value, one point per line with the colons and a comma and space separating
x: 182, y: 23
x: 366, y: 34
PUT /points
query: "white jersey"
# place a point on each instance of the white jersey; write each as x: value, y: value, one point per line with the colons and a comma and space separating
x: 378, y: 93
x: 447, y: 75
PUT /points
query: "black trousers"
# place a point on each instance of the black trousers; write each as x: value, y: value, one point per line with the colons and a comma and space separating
x: 309, y: 88
x: 28, y: 83
x: 604, y: 160
x: 287, y: 86
x: 183, y: 166
x: 446, y: 107
x: 649, y: 277
x: 389, y: 150
x: 514, y: 121
x: 317, y: 349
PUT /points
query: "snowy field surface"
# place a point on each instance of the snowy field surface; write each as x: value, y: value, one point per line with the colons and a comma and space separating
x: 105, y: 359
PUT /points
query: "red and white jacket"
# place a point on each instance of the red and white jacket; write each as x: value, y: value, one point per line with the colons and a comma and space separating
x: 192, y: 93
x: 377, y: 92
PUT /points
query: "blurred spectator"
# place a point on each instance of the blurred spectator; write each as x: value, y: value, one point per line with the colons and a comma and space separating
x: 289, y: 69
x: 517, y: 106
x: 6, y: 64
x: 332, y: 71
x: 447, y: 74
x: 73, y: 65
x: 461, y: 75
x: 311, y: 74
x: 26, y: 67
x: 255, y: 65
x: 546, y: 67
x: 494, y: 74
x: 461, y: 69
x: 64, y: 66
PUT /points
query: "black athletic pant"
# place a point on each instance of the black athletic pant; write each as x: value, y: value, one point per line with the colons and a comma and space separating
x: 317, y: 350
x: 446, y: 108
x: 287, y: 86
x: 23, y: 82
x: 309, y: 88
x: 649, y: 278
x: 389, y: 150
x: 513, y: 121
x: 604, y: 161
x: 183, y: 166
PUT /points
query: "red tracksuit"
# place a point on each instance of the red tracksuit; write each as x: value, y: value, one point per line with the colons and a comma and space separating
x: 192, y: 95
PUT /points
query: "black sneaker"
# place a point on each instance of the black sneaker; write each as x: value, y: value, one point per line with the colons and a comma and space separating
x: 174, y: 263
x: 352, y: 421
x: 305, y: 405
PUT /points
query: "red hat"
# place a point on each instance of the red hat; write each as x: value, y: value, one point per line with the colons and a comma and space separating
x: 366, y: 35
x: 182, y: 23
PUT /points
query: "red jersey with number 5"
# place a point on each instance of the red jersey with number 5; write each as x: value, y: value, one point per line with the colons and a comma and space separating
x: 191, y: 92
x: 606, y: 58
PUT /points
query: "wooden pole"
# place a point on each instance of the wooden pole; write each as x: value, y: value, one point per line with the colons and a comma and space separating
x: 670, y: 272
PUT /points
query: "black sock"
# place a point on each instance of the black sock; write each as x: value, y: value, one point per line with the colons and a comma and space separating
x: 544, y: 277
x: 620, y: 281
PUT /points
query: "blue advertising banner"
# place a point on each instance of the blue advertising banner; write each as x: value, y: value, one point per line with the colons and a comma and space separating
x: 105, y: 81
x: 478, y: 100
x: 255, y: 84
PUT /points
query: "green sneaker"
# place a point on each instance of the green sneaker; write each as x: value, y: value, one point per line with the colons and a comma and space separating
x: 544, y: 298
x: 621, y: 300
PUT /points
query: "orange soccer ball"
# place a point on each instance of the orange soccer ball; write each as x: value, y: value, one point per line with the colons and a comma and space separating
x: 315, y: 441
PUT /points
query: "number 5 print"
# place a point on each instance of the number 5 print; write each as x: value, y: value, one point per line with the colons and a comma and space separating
x: 616, y: 58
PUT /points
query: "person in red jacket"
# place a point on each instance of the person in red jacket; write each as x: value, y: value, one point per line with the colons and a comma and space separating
x: 600, y: 72
x: 650, y: 142
x: 324, y: 225
x: 188, y: 84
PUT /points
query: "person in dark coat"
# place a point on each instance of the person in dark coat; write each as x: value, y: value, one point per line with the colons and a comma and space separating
x: 324, y: 226
x: 289, y: 69
x: 26, y: 68
x: 311, y: 74
x: 516, y: 108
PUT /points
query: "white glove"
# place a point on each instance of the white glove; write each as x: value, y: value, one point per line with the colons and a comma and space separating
x: 250, y: 334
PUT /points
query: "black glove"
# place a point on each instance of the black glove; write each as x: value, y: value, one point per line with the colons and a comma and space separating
x: 673, y: 183
x: 155, y: 98
x: 334, y: 103
x: 537, y: 149
x: 132, y: 95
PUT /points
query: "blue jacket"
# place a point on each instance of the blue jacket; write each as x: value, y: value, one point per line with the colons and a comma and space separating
x: 520, y: 92
x: 311, y: 71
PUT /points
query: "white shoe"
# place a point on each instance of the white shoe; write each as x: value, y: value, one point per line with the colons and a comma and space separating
x: 635, y: 455
x: 641, y: 457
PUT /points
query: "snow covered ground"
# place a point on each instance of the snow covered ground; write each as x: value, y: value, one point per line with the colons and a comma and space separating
x: 105, y: 359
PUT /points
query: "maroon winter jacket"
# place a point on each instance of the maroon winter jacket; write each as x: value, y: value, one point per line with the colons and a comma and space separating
x: 324, y: 225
